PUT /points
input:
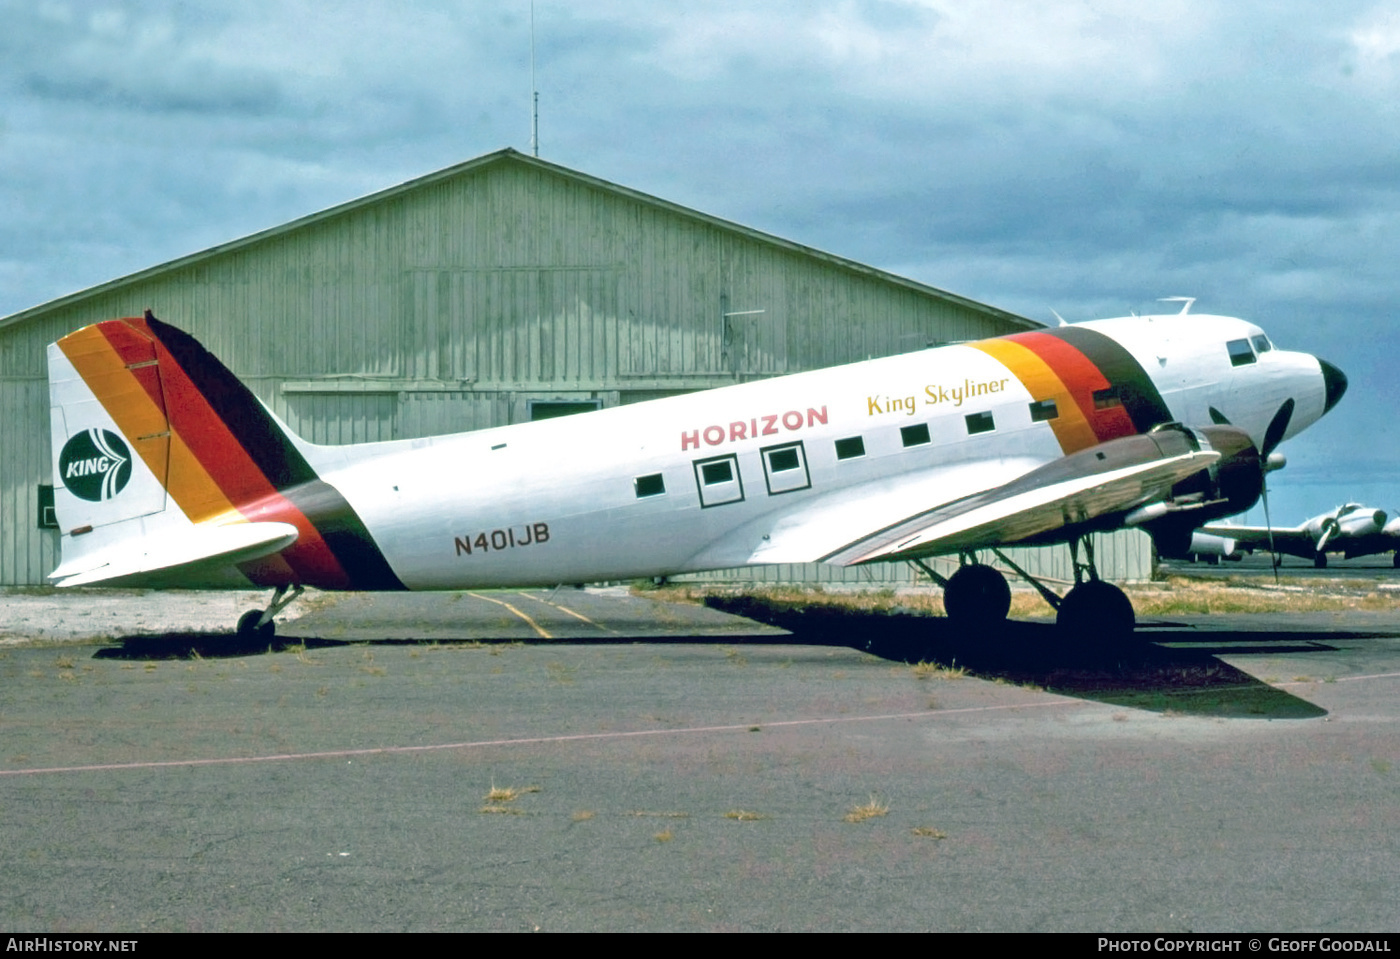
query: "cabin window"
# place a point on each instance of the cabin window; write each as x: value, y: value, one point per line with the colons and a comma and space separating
x: 716, y: 473
x: 718, y: 481
x: 652, y: 485
x: 914, y: 435
x: 785, y: 468
x: 1107, y: 399
x: 980, y: 423
x: 1240, y: 352
x: 1042, y: 410
x: 1261, y: 343
x: 850, y: 448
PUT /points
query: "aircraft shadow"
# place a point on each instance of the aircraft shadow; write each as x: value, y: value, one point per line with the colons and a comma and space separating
x: 1147, y: 676
x: 1186, y: 677
x: 204, y: 646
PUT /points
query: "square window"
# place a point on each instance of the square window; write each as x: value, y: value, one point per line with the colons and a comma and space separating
x: 850, y: 448
x: 785, y: 468
x: 914, y: 435
x: 717, y: 480
x: 780, y: 461
x: 652, y: 485
x: 1107, y: 399
x: 1042, y: 410
x: 716, y: 473
x: 980, y: 423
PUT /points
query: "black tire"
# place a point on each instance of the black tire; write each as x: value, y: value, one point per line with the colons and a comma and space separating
x: 1320, y: 561
x: 1395, y: 560
x: 1097, y: 614
x: 977, y: 595
x: 248, y: 628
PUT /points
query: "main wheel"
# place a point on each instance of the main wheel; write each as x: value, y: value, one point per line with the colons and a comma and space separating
x: 1097, y: 613
x: 1320, y: 561
x: 248, y: 628
x: 977, y: 595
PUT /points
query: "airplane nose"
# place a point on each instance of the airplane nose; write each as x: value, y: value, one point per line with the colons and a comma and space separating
x: 1335, y: 382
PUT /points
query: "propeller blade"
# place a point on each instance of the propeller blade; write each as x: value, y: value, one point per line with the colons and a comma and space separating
x: 1269, y: 523
x: 1330, y: 528
x: 1277, y: 427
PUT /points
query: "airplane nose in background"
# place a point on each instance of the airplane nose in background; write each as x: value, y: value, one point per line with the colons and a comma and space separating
x: 1335, y: 381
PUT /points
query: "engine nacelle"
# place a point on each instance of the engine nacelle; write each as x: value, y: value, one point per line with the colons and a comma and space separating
x: 1232, y: 484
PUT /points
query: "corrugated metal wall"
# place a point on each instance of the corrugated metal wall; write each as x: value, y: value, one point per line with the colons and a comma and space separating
x: 449, y: 303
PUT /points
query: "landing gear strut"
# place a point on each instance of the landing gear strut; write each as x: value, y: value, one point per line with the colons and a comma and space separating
x: 1094, y: 612
x: 257, y: 624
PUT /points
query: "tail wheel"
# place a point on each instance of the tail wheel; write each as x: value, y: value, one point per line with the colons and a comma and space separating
x: 1097, y: 613
x: 248, y: 628
x: 977, y: 595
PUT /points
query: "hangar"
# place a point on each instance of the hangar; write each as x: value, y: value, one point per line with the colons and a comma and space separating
x: 496, y: 291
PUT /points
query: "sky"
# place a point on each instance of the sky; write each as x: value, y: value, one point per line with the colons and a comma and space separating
x: 1085, y: 158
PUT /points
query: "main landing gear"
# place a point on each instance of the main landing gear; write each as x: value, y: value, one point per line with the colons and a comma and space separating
x: 1094, y: 611
x: 257, y: 624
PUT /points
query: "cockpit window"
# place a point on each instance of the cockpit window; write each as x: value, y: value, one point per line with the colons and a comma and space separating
x: 1240, y: 352
x: 1261, y: 343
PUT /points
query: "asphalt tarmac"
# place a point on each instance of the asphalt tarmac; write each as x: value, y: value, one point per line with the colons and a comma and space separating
x: 585, y: 760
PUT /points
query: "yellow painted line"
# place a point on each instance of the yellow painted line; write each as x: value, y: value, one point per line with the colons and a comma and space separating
x: 500, y: 602
x: 565, y: 609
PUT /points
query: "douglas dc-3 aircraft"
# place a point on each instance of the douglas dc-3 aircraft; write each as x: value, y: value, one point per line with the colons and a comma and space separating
x: 169, y: 472
x: 1353, y: 530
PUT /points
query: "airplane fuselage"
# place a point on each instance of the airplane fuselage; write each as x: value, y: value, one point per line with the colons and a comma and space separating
x: 726, y: 477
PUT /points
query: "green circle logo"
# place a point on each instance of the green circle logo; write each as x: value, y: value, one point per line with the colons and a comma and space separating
x: 95, y: 465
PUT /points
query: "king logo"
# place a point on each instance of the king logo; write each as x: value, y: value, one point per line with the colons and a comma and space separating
x: 95, y: 465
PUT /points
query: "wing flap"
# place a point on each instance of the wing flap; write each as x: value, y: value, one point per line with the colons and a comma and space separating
x: 166, y: 559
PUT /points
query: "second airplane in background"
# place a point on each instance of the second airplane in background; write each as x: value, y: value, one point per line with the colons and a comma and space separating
x: 1352, y: 530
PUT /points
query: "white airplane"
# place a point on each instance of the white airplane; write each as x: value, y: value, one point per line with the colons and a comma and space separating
x: 1352, y: 529
x: 169, y: 472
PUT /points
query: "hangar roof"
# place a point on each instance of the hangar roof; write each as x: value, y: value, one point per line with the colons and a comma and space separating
x: 509, y: 155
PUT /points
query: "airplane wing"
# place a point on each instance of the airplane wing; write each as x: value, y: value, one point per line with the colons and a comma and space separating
x: 1024, y: 510
x: 964, y: 507
x: 187, y: 556
x: 1294, y: 542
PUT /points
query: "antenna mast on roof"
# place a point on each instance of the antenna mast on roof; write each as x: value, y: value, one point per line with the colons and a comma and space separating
x: 534, y: 93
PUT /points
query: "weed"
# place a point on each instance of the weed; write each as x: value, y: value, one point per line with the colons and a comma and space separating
x: 500, y: 794
x: 503, y: 810
x: 928, y: 832
x: 924, y: 670
x: 665, y: 835
x: 869, y: 810
x: 734, y: 656
x: 755, y: 729
x: 583, y: 815
x: 64, y: 662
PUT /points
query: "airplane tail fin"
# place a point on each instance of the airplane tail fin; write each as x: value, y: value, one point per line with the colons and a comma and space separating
x: 157, y: 444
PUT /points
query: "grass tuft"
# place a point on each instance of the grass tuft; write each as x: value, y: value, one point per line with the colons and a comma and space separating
x: 744, y: 815
x: 928, y: 832
x: 868, y: 810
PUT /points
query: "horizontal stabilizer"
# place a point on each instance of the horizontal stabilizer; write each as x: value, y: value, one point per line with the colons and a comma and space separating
x: 168, y: 560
